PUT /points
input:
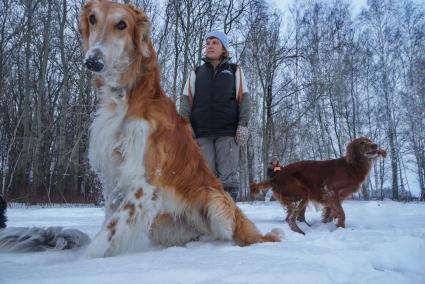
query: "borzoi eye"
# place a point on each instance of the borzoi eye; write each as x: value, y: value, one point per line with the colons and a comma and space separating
x: 92, y: 19
x: 121, y: 25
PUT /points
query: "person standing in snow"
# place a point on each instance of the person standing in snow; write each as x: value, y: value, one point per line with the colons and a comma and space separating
x: 216, y: 101
x: 273, y: 168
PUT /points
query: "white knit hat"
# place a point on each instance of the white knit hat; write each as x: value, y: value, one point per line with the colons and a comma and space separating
x: 222, y: 37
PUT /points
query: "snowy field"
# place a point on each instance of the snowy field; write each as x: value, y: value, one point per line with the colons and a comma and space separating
x: 384, y: 242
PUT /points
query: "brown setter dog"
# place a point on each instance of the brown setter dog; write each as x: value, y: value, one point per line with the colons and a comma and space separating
x: 327, y: 182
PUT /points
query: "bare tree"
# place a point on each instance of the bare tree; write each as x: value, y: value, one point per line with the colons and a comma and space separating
x: 318, y: 77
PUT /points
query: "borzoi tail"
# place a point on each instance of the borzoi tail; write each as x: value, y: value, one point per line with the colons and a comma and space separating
x: 41, y: 239
x: 37, y: 239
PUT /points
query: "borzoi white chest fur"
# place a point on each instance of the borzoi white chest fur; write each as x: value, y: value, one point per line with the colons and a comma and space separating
x: 117, y: 148
x: 116, y: 153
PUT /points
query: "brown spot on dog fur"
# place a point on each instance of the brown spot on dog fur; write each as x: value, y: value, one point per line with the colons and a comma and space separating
x: 112, y: 228
x: 111, y: 235
x: 131, y: 212
x: 112, y: 224
x: 138, y: 194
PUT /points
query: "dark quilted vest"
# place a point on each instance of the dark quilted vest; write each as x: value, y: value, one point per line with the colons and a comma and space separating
x: 215, y: 109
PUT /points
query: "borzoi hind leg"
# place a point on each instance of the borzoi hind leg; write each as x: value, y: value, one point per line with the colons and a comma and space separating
x: 227, y: 222
x: 128, y: 227
x: 246, y: 233
x: 219, y: 213
x: 168, y: 230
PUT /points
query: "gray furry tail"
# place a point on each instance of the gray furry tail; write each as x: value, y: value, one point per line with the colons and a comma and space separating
x: 41, y: 239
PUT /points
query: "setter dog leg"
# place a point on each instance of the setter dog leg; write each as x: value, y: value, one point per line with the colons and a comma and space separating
x: 293, y: 194
x: 294, y: 208
x: 336, y: 211
x: 340, y: 215
x: 301, y: 216
x: 327, y: 215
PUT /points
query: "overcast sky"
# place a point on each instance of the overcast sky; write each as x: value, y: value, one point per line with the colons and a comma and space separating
x: 283, y: 4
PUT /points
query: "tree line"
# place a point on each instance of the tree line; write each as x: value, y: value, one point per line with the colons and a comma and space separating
x: 318, y: 77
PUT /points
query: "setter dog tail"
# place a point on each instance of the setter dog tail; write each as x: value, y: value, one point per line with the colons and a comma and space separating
x: 256, y: 188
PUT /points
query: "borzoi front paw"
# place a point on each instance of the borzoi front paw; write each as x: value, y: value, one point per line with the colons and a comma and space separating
x: 98, y: 246
x: 127, y: 230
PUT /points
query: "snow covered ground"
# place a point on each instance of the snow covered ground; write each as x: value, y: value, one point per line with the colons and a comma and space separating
x: 384, y: 242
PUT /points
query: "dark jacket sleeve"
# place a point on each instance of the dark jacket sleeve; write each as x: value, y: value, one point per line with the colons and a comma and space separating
x: 244, y: 110
x: 270, y: 172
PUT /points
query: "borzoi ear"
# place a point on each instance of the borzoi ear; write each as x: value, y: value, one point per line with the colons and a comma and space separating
x: 141, y: 35
x: 84, y: 27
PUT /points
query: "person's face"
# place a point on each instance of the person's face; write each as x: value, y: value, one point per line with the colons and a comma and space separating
x: 214, y: 49
x: 274, y: 163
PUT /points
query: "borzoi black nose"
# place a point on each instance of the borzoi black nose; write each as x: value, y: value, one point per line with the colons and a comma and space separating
x: 95, y: 61
x: 94, y: 64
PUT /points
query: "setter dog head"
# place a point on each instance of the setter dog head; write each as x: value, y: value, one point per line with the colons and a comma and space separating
x: 116, y: 40
x: 363, y: 148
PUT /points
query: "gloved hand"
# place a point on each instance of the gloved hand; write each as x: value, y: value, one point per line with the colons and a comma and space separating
x: 242, y: 135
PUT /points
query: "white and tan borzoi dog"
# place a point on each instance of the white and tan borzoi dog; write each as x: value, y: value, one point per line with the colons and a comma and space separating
x: 157, y: 187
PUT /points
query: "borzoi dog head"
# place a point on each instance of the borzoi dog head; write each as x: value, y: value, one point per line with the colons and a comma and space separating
x: 116, y: 40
